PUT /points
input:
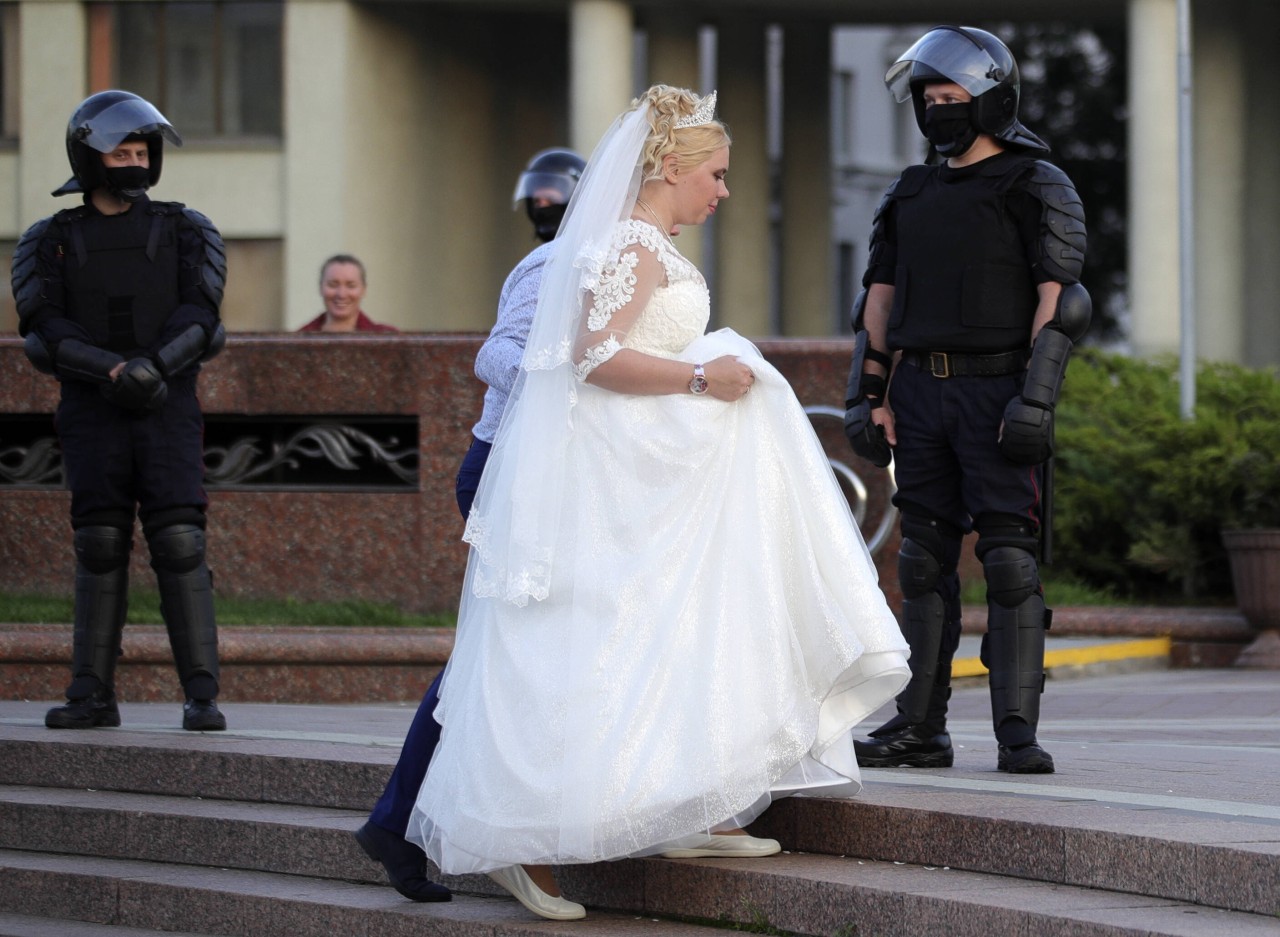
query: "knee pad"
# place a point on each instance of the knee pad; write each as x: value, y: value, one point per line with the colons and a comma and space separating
x: 918, y: 570
x: 929, y: 553
x: 1012, y: 576
x: 103, y: 550
x: 177, y: 549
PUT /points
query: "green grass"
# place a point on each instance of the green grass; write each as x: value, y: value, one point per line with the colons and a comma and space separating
x: 1058, y: 592
x: 144, y: 609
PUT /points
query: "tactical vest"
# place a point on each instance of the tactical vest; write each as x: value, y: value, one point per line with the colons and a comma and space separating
x: 120, y: 273
x: 963, y: 279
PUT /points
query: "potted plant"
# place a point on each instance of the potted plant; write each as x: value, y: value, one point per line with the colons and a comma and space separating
x: 1251, y: 517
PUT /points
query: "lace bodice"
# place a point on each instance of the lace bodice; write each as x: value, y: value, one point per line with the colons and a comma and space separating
x: 677, y: 309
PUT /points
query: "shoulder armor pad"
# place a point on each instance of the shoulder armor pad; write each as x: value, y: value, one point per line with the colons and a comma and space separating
x: 213, y: 269
x: 1062, y: 228
x: 28, y: 286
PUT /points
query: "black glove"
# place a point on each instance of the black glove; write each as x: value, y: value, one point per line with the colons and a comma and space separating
x: 1027, y: 438
x: 865, y: 436
x: 138, y: 387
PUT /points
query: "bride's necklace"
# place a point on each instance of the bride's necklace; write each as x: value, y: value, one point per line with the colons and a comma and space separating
x: 665, y: 229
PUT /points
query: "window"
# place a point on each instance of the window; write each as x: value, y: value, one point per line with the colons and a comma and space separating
x: 8, y: 72
x: 843, y: 114
x: 213, y: 68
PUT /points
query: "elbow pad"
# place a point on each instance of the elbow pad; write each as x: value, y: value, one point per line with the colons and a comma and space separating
x: 38, y: 353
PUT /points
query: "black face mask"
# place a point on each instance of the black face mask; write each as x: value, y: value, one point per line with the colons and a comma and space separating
x: 949, y: 129
x: 128, y: 182
x: 546, y: 220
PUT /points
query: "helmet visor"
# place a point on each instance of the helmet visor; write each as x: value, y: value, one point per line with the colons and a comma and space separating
x: 106, y: 130
x: 945, y: 51
x: 555, y: 187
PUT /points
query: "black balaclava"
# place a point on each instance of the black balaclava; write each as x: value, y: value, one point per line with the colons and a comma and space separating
x: 128, y: 182
x: 546, y: 220
x: 950, y: 128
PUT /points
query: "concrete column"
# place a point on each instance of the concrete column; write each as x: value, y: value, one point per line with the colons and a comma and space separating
x: 1153, y: 177
x: 742, y: 297
x: 1220, y: 138
x: 1259, y: 24
x: 51, y: 35
x: 807, y: 279
x: 600, y: 68
x: 317, y: 73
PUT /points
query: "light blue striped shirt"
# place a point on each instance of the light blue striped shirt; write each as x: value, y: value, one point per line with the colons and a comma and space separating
x: 498, y: 362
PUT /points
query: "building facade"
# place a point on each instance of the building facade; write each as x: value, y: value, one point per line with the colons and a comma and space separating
x: 395, y: 129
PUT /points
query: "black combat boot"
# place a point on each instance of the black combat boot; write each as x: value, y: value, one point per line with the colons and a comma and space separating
x: 186, y: 603
x: 102, y: 587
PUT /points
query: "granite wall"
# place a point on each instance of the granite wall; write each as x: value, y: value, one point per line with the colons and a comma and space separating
x: 320, y: 495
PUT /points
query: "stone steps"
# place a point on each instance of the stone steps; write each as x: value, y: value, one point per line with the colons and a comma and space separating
x: 144, y: 830
x: 30, y: 925
x: 801, y: 894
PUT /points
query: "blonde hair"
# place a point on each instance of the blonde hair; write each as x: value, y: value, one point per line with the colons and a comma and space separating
x: 691, y: 146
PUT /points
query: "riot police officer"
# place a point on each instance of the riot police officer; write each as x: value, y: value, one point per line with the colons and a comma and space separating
x: 543, y: 190
x: 118, y: 298
x: 971, y: 304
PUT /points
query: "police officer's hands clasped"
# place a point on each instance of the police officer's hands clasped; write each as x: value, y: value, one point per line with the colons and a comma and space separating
x: 1026, y: 435
x: 137, y: 386
x: 728, y: 378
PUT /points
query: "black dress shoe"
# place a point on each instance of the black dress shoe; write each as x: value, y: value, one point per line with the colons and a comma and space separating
x: 87, y: 713
x: 405, y: 863
x: 905, y: 748
x: 201, y: 715
x: 1025, y: 759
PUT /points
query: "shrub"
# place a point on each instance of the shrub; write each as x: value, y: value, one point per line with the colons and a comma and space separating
x: 1141, y: 495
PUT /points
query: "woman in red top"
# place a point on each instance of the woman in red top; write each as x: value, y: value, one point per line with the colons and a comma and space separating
x: 342, y: 284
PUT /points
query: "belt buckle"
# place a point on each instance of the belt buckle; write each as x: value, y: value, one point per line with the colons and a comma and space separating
x: 939, y: 364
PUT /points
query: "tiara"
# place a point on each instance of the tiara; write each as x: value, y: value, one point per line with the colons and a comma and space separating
x: 704, y: 113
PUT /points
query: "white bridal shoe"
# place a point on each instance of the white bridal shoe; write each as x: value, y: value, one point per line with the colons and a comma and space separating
x: 516, y: 880
x: 723, y: 846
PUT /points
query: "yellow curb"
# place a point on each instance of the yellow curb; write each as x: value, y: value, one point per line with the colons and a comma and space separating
x: 1079, y: 656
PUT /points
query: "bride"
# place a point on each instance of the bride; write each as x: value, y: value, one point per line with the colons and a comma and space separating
x: 669, y: 616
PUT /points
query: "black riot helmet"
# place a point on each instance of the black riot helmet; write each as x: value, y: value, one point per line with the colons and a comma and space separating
x: 549, y: 178
x: 977, y: 61
x: 101, y: 123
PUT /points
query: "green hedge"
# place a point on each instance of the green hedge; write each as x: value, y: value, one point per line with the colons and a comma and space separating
x: 1141, y: 494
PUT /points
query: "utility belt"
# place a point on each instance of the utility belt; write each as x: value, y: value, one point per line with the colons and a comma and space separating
x: 966, y: 364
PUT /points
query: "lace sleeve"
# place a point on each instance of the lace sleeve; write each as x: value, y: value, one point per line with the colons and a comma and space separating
x: 617, y: 285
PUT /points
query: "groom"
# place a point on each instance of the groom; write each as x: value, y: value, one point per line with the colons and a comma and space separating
x: 543, y: 189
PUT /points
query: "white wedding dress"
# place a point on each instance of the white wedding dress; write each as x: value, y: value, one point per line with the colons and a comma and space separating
x: 714, y: 635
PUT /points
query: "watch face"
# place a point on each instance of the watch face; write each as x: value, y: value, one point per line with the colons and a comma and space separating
x: 698, y: 385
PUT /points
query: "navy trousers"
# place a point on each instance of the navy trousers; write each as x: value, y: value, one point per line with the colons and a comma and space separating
x: 396, y: 803
x: 117, y: 461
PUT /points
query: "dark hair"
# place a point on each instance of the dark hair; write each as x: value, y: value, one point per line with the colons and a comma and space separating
x: 344, y: 259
